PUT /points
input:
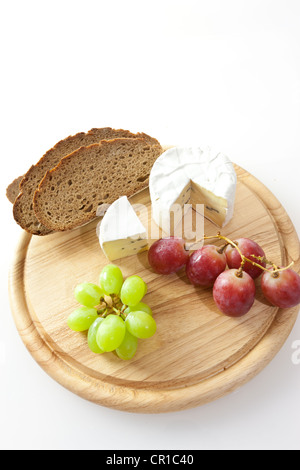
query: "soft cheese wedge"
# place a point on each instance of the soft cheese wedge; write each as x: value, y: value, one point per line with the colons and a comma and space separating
x: 121, y: 232
x: 192, y: 176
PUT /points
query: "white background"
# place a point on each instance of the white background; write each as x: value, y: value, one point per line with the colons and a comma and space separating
x: 226, y: 73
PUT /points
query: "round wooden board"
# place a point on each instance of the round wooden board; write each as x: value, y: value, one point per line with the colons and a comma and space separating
x: 197, y: 354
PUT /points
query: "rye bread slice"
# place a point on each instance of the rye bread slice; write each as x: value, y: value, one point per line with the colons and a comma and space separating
x: 69, y: 195
x: 23, y: 205
x: 13, y: 190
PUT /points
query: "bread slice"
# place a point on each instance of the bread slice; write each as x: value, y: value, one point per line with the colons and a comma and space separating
x: 13, y: 190
x: 23, y: 206
x: 69, y: 195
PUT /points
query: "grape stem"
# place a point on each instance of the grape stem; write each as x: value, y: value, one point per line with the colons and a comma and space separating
x: 102, y: 312
x: 112, y: 306
x: 223, y: 248
x: 276, y: 269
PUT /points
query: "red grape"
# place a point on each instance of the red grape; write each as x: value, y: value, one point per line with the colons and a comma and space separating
x: 281, y: 289
x: 168, y: 255
x: 234, y: 294
x: 205, y: 265
x: 248, y: 247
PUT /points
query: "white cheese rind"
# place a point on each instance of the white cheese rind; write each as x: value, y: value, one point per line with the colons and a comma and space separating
x: 121, y: 232
x: 179, y: 167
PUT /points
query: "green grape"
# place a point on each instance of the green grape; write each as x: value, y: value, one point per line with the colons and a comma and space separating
x: 88, y: 294
x: 140, y: 324
x: 141, y: 306
x: 92, y: 335
x: 146, y: 289
x: 128, y: 347
x: 82, y: 318
x: 111, y: 279
x: 111, y: 333
x: 133, y: 290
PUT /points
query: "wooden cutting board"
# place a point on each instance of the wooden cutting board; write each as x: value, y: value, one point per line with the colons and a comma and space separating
x: 197, y: 354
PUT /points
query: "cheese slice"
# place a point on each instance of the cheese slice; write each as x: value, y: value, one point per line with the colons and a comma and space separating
x: 121, y: 232
x: 187, y: 175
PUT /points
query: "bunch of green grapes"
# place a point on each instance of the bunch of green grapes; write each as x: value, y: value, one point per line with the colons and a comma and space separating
x: 113, y: 313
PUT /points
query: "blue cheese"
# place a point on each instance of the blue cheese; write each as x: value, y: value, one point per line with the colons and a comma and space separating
x: 121, y: 232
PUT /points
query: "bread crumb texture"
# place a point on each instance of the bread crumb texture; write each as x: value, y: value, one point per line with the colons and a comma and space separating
x: 69, y: 195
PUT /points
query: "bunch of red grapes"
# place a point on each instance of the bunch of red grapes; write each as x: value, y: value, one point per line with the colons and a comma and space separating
x: 233, y: 288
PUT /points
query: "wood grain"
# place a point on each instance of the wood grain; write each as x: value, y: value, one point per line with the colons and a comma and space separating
x: 197, y: 354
